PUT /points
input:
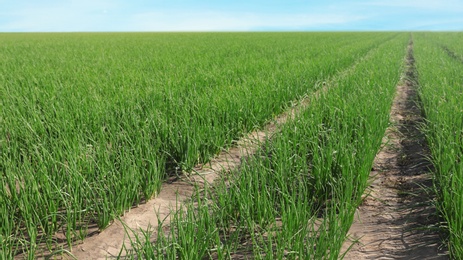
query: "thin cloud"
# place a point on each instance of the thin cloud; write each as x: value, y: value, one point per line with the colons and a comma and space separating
x: 449, y: 5
x: 439, y: 25
x: 205, y: 15
x: 56, y: 17
x: 214, y: 21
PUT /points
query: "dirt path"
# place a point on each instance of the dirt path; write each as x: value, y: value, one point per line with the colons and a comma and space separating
x: 108, y: 243
x: 397, y: 219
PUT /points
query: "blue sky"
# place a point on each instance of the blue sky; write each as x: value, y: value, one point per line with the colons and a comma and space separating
x: 221, y: 15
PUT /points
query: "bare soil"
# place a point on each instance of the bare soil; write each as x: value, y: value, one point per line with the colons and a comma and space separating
x: 108, y: 243
x: 397, y: 219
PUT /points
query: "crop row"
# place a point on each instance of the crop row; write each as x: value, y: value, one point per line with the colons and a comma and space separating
x: 296, y: 197
x: 448, y: 41
x: 441, y: 91
x: 92, y: 123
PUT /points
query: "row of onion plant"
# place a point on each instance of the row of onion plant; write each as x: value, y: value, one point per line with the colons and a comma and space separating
x: 295, y: 198
x: 91, y: 124
x: 441, y: 91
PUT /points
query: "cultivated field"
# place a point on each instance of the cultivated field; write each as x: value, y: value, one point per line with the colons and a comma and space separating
x: 440, y: 66
x: 93, y: 124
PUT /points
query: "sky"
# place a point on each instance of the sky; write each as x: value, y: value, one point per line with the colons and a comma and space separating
x: 230, y: 15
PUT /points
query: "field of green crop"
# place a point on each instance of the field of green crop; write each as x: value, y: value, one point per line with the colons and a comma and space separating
x: 440, y: 66
x: 296, y: 198
x: 92, y: 124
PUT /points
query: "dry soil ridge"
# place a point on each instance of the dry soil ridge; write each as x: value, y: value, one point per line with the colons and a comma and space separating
x: 397, y: 219
x: 108, y: 243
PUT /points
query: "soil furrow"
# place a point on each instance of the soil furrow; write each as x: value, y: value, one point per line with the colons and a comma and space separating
x: 175, y: 191
x: 397, y: 219
x: 108, y: 243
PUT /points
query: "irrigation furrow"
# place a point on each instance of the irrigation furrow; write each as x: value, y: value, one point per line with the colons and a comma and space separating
x: 180, y: 188
x: 397, y: 219
x: 452, y: 54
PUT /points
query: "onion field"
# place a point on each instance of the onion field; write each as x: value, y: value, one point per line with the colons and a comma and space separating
x: 92, y: 124
x: 440, y: 67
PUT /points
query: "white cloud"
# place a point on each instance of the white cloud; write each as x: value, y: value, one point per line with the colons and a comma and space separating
x: 64, y: 16
x: 116, y: 15
x: 455, y: 24
x: 220, y: 21
x: 442, y: 5
x: 89, y: 16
